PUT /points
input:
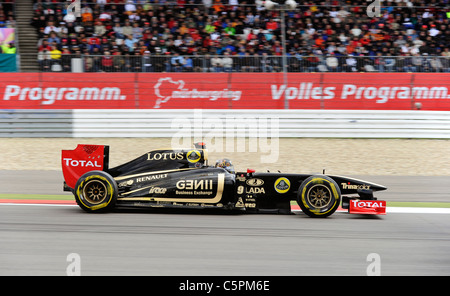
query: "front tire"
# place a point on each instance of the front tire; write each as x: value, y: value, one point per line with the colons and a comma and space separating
x: 319, y: 196
x: 96, y: 191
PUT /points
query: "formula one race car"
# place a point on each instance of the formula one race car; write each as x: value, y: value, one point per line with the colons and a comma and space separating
x: 183, y: 179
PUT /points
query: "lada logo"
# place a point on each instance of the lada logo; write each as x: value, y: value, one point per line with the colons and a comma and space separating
x: 254, y: 182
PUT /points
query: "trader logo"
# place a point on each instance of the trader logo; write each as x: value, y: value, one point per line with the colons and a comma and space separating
x: 282, y: 185
x: 166, y: 89
x: 193, y: 156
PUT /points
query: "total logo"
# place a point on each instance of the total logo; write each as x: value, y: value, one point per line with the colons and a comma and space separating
x: 82, y: 163
x: 366, y: 204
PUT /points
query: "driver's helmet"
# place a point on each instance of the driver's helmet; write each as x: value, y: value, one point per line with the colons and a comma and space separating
x: 226, y: 164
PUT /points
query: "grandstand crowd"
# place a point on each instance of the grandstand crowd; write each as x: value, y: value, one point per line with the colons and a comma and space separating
x: 7, y: 20
x: 236, y: 35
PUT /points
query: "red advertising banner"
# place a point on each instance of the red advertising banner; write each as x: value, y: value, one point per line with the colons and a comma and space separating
x: 358, y: 91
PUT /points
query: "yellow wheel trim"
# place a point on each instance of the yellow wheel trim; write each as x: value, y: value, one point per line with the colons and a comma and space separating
x: 109, y: 191
x: 320, y: 181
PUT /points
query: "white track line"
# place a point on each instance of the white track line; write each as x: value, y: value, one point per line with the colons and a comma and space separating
x: 401, y: 210
x: 405, y: 210
x: 37, y: 205
x: 418, y: 210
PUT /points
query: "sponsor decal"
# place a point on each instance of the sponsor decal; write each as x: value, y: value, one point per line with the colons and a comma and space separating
x: 194, y: 187
x: 50, y: 95
x: 165, y: 156
x: 193, y: 156
x: 366, y: 204
x: 125, y: 183
x: 373, y: 207
x: 240, y: 178
x: 250, y: 190
x: 381, y: 95
x: 253, y: 190
x: 385, y: 91
x: 305, y: 91
x: 350, y: 186
x: 151, y: 178
x: 166, y: 89
x: 195, y: 184
x: 81, y: 163
x: 157, y: 190
x: 282, y: 185
x: 255, y: 182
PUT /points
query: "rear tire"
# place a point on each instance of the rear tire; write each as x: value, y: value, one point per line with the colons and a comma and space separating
x: 96, y: 191
x: 319, y: 196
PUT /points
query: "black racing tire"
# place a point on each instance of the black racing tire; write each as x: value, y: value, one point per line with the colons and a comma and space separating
x: 96, y: 191
x: 319, y: 196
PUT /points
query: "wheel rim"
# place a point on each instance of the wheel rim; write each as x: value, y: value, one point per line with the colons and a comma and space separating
x: 319, y: 196
x: 95, y: 192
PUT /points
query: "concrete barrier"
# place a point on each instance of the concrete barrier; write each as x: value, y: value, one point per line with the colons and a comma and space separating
x: 238, y: 123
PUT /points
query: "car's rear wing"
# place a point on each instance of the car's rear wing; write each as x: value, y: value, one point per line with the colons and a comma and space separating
x: 83, y: 159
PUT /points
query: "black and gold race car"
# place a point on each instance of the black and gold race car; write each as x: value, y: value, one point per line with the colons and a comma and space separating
x: 182, y: 178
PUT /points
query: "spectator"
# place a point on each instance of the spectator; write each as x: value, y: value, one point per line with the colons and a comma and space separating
x: 188, y: 64
x: 118, y: 62
x: 436, y: 64
x: 350, y: 64
x: 99, y: 29
x: 44, y: 60
x: 217, y: 63
x: 389, y: 63
x: 445, y: 60
x: 417, y: 62
x: 130, y: 7
x: 51, y: 28
x: 118, y: 30
x: 147, y: 63
x: 107, y: 62
x: 246, y: 30
x: 8, y: 48
x: 136, y: 62
x: 127, y: 29
x: 227, y: 63
x: 53, y: 38
x: 88, y: 62
x: 137, y: 31
x: 55, y: 53
x: 176, y: 63
x: 66, y: 60
x: 332, y: 63
x: 87, y: 14
x: 131, y: 42
x: 312, y: 62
